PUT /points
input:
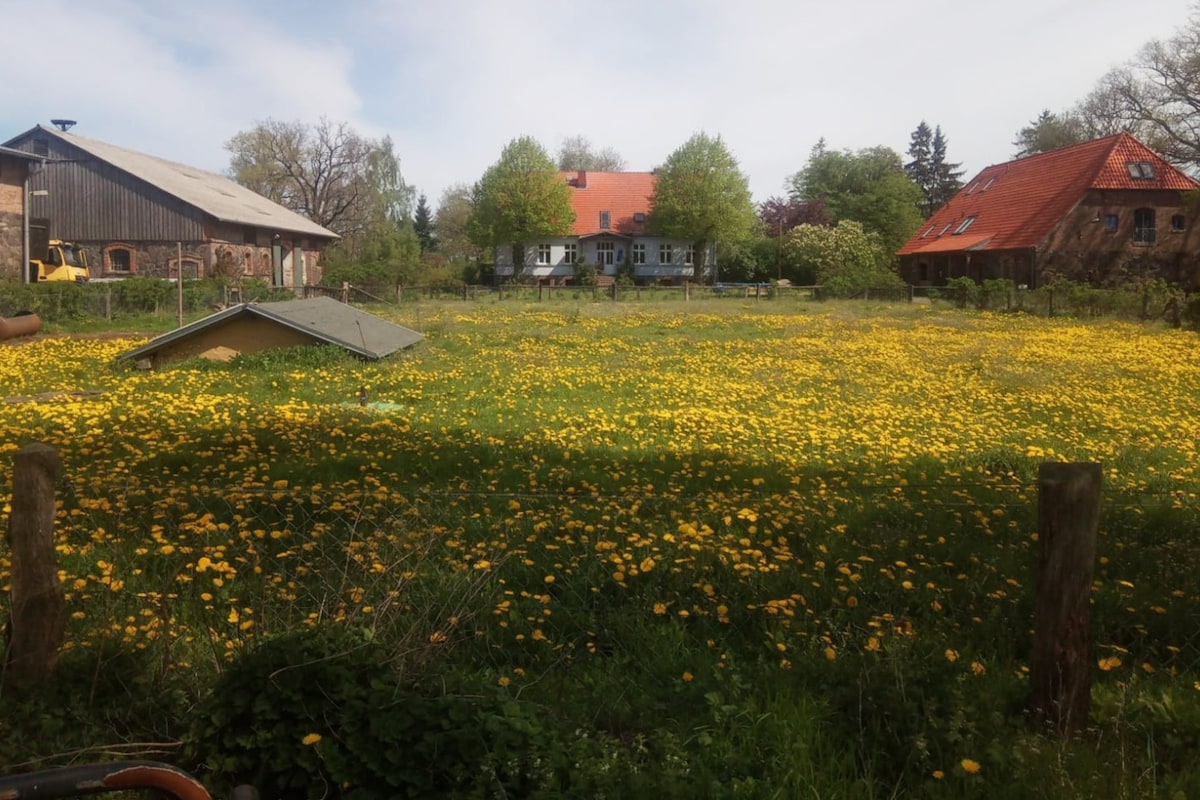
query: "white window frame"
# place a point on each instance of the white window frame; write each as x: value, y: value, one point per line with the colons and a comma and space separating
x: 966, y: 223
x: 666, y: 254
x: 606, y: 253
x: 639, y: 253
x: 543, y: 255
x: 570, y: 253
x: 689, y: 256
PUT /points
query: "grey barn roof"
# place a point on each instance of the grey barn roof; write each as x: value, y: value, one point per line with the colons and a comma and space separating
x: 213, y: 194
x: 8, y: 151
x: 323, y: 318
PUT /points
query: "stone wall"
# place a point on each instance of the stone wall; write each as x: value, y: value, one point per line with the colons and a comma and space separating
x: 12, y: 218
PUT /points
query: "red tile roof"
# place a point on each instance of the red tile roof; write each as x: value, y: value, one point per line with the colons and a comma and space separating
x: 621, y: 194
x: 1016, y: 205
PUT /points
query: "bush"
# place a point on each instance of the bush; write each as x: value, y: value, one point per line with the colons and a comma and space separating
x: 324, y: 708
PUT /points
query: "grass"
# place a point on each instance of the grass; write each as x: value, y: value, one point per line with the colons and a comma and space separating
x: 725, y: 548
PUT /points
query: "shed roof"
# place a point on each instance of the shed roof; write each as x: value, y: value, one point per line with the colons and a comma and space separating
x: 323, y: 318
x: 213, y: 194
x: 8, y: 151
x: 1016, y: 205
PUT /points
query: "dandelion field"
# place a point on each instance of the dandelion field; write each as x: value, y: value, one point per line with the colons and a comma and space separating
x: 721, y: 549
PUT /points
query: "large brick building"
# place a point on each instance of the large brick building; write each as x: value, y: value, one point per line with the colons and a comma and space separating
x: 134, y: 211
x: 1104, y: 211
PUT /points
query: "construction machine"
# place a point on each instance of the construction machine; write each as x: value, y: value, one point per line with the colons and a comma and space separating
x: 63, y: 262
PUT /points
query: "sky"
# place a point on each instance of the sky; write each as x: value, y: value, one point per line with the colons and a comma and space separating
x: 453, y: 81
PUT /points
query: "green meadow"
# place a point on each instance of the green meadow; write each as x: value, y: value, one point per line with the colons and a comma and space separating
x: 722, y: 549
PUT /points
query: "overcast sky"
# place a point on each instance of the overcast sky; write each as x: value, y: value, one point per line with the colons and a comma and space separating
x: 452, y: 81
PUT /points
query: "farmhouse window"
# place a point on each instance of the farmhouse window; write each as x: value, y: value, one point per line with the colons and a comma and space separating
x: 605, y: 253
x: 543, y: 254
x: 605, y: 220
x: 639, y: 253
x: 120, y: 259
x: 666, y: 254
x: 1110, y: 222
x: 1140, y: 170
x: 570, y: 253
x: 1177, y: 222
x: 689, y: 256
x: 1143, y: 226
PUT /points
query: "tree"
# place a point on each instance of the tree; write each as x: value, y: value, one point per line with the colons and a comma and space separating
x: 701, y: 196
x: 423, y: 226
x: 576, y: 154
x: 846, y: 259
x: 869, y: 186
x: 327, y: 172
x: 939, y: 180
x: 389, y: 258
x: 520, y: 199
x: 1049, y: 132
x: 450, y: 225
x: 947, y: 177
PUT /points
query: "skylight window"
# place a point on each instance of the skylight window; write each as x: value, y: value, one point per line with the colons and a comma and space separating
x: 943, y: 230
x: 988, y: 185
x: 1140, y: 170
x: 974, y: 186
x: 928, y: 231
x: 966, y: 223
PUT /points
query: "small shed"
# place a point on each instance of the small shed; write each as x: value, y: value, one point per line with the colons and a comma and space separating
x: 252, y: 327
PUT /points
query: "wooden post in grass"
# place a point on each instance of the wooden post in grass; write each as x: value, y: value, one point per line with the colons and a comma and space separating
x: 38, y: 606
x: 1061, y: 665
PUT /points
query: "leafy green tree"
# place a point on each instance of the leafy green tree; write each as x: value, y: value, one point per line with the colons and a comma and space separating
x: 869, y: 186
x: 845, y: 259
x: 520, y: 199
x: 576, y: 153
x: 390, y: 258
x: 702, y: 196
x: 423, y: 225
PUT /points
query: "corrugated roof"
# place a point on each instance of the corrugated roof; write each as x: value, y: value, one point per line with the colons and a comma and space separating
x: 1016, y: 205
x: 323, y: 318
x: 622, y: 194
x: 213, y: 194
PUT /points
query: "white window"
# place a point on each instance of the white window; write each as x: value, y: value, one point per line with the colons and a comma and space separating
x: 605, y: 220
x: 666, y: 254
x: 689, y: 256
x: 1140, y: 170
x: 543, y: 254
x: 570, y: 253
x: 639, y: 253
x: 605, y: 253
x: 966, y: 223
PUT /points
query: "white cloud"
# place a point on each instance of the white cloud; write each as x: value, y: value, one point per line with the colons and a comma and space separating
x: 453, y: 81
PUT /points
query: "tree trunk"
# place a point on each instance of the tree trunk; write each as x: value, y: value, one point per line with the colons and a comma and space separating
x: 37, y: 619
x: 518, y: 257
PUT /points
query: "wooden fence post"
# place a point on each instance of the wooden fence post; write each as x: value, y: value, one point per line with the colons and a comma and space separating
x: 38, y: 606
x: 1061, y: 663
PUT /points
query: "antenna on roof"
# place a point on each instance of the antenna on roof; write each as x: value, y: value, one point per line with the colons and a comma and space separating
x: 63, y: 125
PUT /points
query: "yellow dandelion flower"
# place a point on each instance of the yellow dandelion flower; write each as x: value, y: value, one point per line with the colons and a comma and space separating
x: 688, y: 677
x: 970, y: 766
x: 660, y: 608
x: 952, y: 655
x: 311, y: 739
x: 830, y: 653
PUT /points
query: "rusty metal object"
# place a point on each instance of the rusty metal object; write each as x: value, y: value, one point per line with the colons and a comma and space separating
x: 101, y: 778
x: 25, y: 324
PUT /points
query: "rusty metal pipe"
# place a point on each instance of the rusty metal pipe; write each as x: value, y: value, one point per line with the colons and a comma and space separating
x: 25, y: 324
x: 99, y: 778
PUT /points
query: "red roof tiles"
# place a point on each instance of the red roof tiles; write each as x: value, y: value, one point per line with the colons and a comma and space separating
x: 622, y: 194
x: 1016, y: 205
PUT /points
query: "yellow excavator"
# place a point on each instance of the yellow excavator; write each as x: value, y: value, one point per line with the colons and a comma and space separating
x: 63, y: 262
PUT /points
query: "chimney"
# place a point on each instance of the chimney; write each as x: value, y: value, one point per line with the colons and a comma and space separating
x: 581, y: 179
